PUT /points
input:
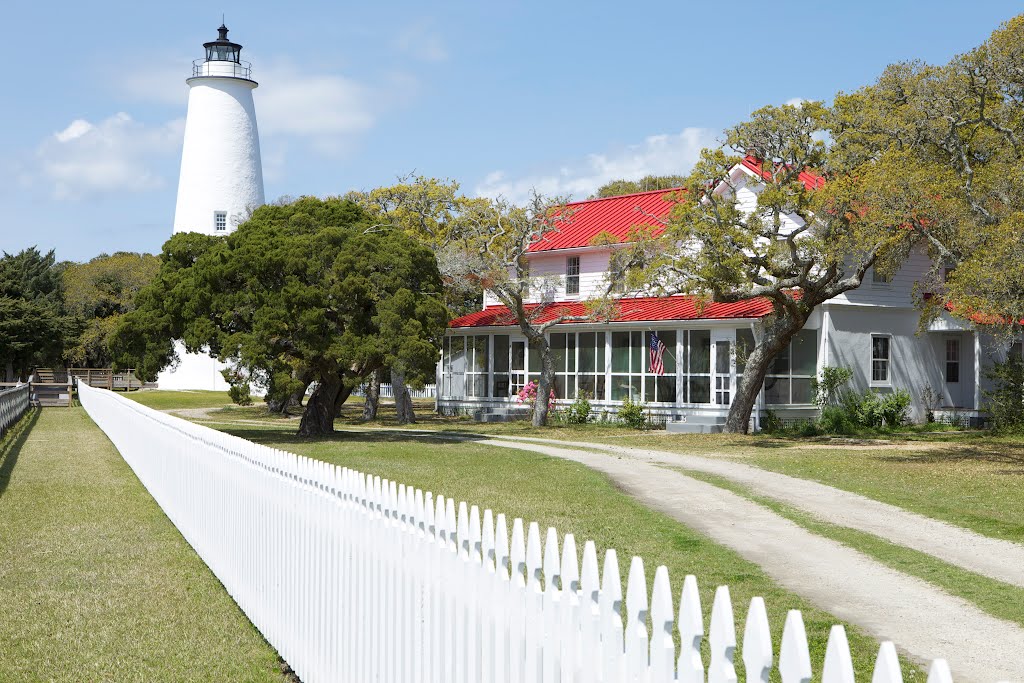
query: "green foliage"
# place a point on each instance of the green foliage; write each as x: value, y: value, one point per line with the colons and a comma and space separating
x: 1006, y: 400
x: 304, y: 289
x: 578, y: 412
x: 826, y: 389
x: 872, y: 410
x: 771, y: 423
x: 632, y: 414
x: 32, y: 320
x: 239, y: 389
x: 645, y: 184
x: 96, y: 295
x: 837, y: 420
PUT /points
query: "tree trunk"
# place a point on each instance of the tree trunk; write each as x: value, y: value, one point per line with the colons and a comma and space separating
x: 403, y: 400
x: 343, y: 395
x: 318, y: 417
x: 546, y: 383
x: 372, y: 395
x: 293, y: 404
x: 776, y: 336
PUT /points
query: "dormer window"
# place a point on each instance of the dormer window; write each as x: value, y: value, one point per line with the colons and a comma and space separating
x: 880, y: 279
x: 572, y: 275
x: 220, y: 221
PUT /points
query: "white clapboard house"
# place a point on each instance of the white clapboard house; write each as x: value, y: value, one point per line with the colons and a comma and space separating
x: 872, y: 330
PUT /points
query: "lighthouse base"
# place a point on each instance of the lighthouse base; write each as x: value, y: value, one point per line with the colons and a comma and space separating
x: 195, y: 372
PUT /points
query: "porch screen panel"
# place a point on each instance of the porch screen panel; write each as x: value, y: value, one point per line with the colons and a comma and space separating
x: 590, y: 377
x: 661, y: 388
x: 501, y: 366
x: 698, y: 352
x: 563, y: 353
x: 790, y: 375
x: 476, y: 356
x: 517, y: 366
x: 457, y: 385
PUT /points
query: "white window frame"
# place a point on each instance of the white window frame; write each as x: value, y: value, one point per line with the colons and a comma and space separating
x: 217, y: 225
x: 957, y: 361
x: 570, y: 276
x: 887, y: 382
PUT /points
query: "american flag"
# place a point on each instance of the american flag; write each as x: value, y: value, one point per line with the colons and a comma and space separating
x: 657, y: 351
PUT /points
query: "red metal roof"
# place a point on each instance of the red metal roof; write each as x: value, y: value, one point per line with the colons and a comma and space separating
x: 810, y: 180
x: 642, y: 309
x: 613, y: 215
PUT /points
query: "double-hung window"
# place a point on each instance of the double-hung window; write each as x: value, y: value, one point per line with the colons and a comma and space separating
x: 952, y: 360
x: 880, y: 279
x: 880, y: 358
x: 572, y: 275
x: 220, y: 221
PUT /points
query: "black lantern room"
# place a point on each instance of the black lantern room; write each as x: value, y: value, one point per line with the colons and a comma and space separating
x: 222, y: 49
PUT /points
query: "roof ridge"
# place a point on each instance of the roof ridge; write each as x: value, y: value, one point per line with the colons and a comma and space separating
x: 623, y: 196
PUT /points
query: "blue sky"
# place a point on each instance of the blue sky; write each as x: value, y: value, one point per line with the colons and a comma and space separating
x: 502, y: 97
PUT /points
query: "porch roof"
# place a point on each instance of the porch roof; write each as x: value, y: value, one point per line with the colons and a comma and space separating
x: 641, y: 309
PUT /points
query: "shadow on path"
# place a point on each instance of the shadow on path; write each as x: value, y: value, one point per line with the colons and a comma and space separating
x: 10, y: 447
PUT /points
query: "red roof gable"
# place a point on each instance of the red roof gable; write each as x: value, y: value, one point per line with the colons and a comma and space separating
x: 614, y: 215
x: 642, y: 309
x: 810, y: 180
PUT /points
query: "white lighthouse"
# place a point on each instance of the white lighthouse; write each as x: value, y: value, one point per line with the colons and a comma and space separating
x: 221, y: 177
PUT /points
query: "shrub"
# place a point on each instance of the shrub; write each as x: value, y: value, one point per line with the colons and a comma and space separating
x: 836, y: 420
x: 239, y: 386
x: 826, y: 389
x: 893, y: 408
x: 771, y: 423
x: 1006, y: 400
x: 633, y: 414
x: 578, y: 412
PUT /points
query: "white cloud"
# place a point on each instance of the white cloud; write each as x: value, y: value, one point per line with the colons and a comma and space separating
x: 292, y: 101
x: 666, y: 154
x: 796, y: 101
x: 117, y: 154
x: 421, y: 42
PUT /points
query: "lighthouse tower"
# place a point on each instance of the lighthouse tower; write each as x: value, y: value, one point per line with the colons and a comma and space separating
x: 221, y: 177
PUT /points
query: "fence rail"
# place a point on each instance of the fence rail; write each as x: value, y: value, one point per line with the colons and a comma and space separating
x: 357, y: 578
x: 13, y: 404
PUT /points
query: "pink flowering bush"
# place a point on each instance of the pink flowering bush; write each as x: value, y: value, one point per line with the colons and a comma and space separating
x: 528, y: 394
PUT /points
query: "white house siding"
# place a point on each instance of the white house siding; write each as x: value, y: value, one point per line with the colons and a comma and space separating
x: 917, y: 361
x: 549, y: 268
x: 899, y: 292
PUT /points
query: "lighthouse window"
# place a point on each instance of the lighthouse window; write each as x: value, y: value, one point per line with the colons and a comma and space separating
x: 220, y: 220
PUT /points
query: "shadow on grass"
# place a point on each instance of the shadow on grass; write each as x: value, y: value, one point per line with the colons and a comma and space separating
x: 277, y: 437
x: 1008, y: 454
x: 12, y: 443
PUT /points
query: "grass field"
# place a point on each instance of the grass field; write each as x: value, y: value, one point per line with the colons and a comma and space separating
x: 163, y: 400
x: 95, y: 583
x: 970, y: 479
x: 573, y: 499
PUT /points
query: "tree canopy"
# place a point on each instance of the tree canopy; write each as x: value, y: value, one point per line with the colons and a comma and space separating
x: 32, y: 321
x: 96, y: 294
x: 304, y: 289
x: 615, y: 188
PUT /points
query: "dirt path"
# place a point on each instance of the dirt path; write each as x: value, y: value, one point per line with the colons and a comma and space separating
x: 922, y: 620
x: 991, y: 557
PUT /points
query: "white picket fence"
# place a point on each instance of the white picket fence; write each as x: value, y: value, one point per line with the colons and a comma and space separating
x: 13, y: 404
x: 355, y: 578
x: 387, y: 391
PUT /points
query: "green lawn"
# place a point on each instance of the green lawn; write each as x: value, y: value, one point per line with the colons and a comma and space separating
x: 95, y: 583
x: 574, y: 499
x: 163, y: 399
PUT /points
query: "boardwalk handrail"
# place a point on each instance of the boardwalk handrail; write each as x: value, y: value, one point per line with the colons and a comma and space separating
x: 357, y: 578
x: 13, y: 404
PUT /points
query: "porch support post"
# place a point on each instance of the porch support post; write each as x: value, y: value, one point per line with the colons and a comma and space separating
x: 977, y: 370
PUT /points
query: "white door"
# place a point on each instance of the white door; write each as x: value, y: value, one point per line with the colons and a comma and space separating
x: 723, y: 376
x: 953, y: 368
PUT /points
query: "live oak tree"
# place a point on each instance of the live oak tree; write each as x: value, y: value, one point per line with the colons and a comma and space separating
x: 304, y: 288
x: 33, y: 324
x: 945, y: 147
x: 797, y: 247
x: 96, y: 294
x: 488, y: 246
x: 645, y: 184
x: 424, y: 209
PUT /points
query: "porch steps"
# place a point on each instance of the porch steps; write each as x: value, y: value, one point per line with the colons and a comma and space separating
x: 500, y: 414
x: 696, y: 424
